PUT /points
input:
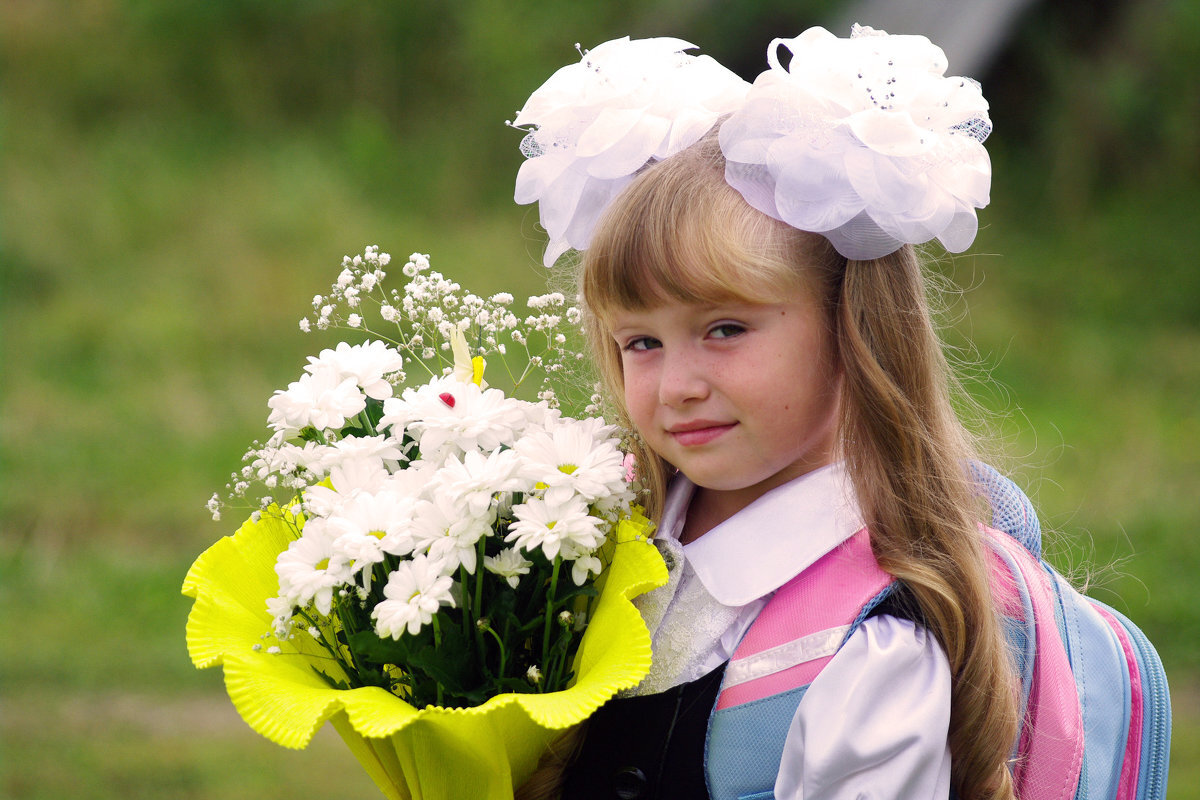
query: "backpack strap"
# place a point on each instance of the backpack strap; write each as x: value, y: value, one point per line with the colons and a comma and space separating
x: 795, y: 635
x: 805, y: 623
x: 1050, y: 746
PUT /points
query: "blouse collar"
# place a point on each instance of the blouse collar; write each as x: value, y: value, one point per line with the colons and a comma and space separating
x: 770, y: 541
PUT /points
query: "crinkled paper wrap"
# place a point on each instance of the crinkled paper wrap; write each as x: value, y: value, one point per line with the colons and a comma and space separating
x: 426, y: 754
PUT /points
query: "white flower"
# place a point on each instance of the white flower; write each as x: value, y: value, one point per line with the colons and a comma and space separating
x: 584, y: 567
x: 308, y: 571
x: 508, y: 564
x: 369, y: 525
x: 366, y: 363
x: 322, y: 400
x: 570, y: 458
x: 414, y: 591
x: 280, y: 609
x: 476, y: 479
x: 442, y: 528
x: 377, y: 451
x: 554, y: 527
x: 448, y: 416
x: 349, y: 478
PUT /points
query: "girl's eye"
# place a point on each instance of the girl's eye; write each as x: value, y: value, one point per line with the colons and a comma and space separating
x: 726, y: 330
x: 643, y: 343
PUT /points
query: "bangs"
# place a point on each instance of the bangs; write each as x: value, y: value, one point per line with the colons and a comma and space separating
x: 680, y: 233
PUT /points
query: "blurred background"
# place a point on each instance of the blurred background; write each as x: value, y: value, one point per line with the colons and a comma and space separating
x: 178, y: 179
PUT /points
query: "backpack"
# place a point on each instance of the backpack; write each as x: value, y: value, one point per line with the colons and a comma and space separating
x: 1096, y: 716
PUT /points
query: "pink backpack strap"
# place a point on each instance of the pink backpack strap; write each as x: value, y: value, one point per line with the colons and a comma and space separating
x: 804, y: 624
x: 1051, y: 743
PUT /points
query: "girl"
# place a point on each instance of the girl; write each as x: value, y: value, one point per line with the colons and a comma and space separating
x: 759, y: 317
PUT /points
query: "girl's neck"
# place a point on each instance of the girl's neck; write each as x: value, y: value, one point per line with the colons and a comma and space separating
x: 709, y: 508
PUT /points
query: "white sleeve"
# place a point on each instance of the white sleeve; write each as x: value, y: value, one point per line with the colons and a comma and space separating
x: 873, y: 725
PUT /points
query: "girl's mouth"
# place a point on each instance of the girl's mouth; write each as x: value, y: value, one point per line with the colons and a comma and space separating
x: 698, y: 432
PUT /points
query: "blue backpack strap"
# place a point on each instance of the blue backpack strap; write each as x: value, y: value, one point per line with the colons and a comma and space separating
x: 1012, y: 512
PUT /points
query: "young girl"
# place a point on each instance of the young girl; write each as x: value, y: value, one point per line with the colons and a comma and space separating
x: 759, y: 317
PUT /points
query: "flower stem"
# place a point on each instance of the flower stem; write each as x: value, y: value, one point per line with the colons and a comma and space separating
x: 550, y: 595
x: 503, y: 652
x: 477, y: 608
x: 437, y: 643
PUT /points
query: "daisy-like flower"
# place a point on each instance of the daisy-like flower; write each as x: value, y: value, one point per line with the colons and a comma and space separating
x: 508, y: 564
x: 308, y: 570
x: 449, y: 416
x: 359, y: 448
x: 280, y: 609
x: 569, y: 458
x: 443, y: 529
x: 367, y: 364
x: 553, y: 526
x: 476, y: 479
x: 319, y: 399
x: 369, y: 525
x: 584, y: 567
x: 414, y: 591
x: 348, y: 479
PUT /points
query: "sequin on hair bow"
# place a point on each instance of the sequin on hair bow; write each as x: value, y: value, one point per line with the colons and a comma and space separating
x: 595, y: 123
x: 863, y: 140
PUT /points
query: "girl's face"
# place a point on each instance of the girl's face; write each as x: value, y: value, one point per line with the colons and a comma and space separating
x: 741, y: 398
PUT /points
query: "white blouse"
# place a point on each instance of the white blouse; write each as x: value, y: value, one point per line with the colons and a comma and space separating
x: 879, y: 712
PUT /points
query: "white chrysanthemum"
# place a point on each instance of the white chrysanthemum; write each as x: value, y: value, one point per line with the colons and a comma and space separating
x: 442, y: 528
x: 541, y: 414
x: 349, y: 478
x: 321, y: 399
x: 309, y: 571
x: 584, y: 567
x: 447, y: 416
x: 414, y: 592
x: 569, y: 458
x: 369, y: 525
x: 599, y: 121
x: 382, y: 449
x: 284, y: 458
x: 280, y: 609
x: 366, y: 363
x: 508, y: 564
x: 864, y: 141
x: 555, y: 526
x: 476, y: 479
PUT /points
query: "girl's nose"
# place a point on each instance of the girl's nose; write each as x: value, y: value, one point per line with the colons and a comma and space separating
x: 682, y: 380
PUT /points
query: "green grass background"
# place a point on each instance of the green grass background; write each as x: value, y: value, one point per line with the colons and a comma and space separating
x: 177, y: 179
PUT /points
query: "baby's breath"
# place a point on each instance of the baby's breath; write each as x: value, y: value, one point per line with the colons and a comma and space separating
x: 420, y: 319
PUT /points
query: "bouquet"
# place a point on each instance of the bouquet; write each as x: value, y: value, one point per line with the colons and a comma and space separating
x: 441, y: 569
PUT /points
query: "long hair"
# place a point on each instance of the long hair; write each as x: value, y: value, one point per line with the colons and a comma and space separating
x: 679, y: 233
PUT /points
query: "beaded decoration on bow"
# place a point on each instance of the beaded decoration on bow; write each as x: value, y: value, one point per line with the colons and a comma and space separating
x: 595, y: 123
x: 862, y: 140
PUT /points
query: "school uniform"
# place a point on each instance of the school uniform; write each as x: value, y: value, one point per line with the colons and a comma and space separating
x: 873, y: 724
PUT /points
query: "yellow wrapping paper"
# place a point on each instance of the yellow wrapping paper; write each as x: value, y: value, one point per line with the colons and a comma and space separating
x: 427, y: 754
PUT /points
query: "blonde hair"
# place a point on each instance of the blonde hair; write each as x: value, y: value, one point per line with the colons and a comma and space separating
x: 680, y: 233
